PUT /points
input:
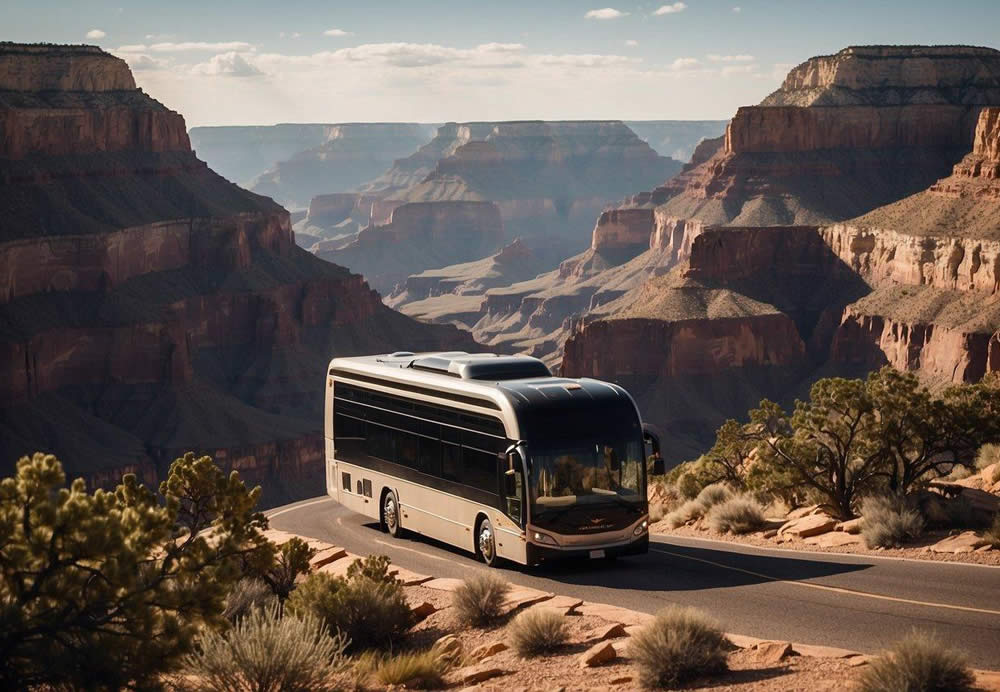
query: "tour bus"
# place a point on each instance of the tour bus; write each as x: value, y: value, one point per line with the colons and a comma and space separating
x: 488, y: 453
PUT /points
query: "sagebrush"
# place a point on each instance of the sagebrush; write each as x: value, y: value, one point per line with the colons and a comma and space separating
x: 739, y: 514
x: 889, y: 521
x: 917, y: 663
x: 680, y: 644
x: 246, y: 596
x: 265, y: 652
x: 537, y: 631
x: 413, y: 670
x: 479, y: 599
x: 370, y: 613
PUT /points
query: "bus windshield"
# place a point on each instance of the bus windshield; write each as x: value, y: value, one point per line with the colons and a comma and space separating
x: 592, y: 470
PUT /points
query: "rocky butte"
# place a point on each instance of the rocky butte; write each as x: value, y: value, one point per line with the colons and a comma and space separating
x: 148, y: 306
x: 903, y: 139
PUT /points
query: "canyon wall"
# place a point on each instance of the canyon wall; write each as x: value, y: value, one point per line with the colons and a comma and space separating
x: 149, y: 307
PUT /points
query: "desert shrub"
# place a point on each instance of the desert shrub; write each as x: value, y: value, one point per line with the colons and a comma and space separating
x: 281, y: 566
x: 888, y: 521
x: 678, y: 645
x: 656, y: 512
x: 688, y: 486
x: 414, y: 670
x: 479, y: 599
x: 992, y: 534
x: 371, y: 614
x: 712, y: 495
x: 537, y: 631
x: 248, y: 595
x: 266, y: 652
x: 373, y: 567
x: 738, y: 514
x: 988, y: 455
x: 689, y: 511
x: 106, y: 590
x: 917, y: 663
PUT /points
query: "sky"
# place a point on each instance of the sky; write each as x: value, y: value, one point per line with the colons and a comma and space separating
x: 254, y: 62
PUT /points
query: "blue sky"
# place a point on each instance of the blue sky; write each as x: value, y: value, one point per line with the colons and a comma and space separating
x: 256, y: 62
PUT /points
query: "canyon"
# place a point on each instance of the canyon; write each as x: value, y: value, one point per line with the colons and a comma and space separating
x: 148, y: 306
x: 847, y: 222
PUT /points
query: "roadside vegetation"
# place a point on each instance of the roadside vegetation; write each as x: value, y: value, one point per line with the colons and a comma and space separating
x: 480, y: 598
x: 918, y: 662
x: 884, y: 448
x: 679, y: 645
x: 536, y: 632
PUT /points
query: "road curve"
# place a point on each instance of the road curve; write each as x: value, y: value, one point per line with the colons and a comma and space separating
x: 855, y: 602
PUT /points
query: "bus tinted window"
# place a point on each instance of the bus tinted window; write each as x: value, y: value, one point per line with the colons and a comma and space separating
x: 479, y: 470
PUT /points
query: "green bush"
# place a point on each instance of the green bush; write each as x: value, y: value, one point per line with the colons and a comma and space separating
x: 371, y: 614
x: 738, y: 514
x: 889, y: 521
x: 265, y: 652
x: 918, y: 663
x: 107, y: 590
x: 688, y: 486
x: 248, y: 595
x: 415, y: 670
x: 373, y: 567
x: 537, y: 631
x: 680, y: 644
x: 479, y: 599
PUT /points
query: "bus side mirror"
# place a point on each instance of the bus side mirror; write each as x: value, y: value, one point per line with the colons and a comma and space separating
x: 656, y: 468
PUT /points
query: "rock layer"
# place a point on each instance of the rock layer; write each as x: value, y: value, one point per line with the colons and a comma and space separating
x: 147, y: 306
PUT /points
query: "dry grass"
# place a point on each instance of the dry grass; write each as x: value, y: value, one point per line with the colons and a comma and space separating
x: 247, y: 596
x: 889, y: 521
x: 479, y: 599
x: 679, y: 645
x: 988, y: 455
x: 917, y: 663
x: 739, y: 514
x: 536, y: 632
x: 265, y: 652
x: 422, y: 670
x: 992, y: 534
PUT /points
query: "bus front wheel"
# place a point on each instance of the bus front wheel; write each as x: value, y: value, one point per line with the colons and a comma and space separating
x: 486, y: 544
x: 390, y: 514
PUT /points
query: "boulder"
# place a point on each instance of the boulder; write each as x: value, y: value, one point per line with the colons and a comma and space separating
x: 834, y: 539
x: 800, y: 512
x: 484, y: 651
x: 850, y: 526
x: 326, y: 556
x: 470, y: 675
x: 965, y: 542
x: 811, y: 525
x: 564, y: 605
x: 598, y: 655
x: 615, y: 630
x: 772, y: 652
x: 449, y: 646
x: 521, y: 596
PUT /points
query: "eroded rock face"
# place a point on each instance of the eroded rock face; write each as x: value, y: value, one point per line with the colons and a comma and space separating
x: 421, y: 235
x: 844, y: 135
x: 38, y: 68
x: 148, y: 306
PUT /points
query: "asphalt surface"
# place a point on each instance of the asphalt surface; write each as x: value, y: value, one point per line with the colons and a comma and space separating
x: 854, y: 602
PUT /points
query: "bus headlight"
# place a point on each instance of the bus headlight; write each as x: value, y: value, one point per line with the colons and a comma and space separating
x: 640, y: 528
x: 543, y: 538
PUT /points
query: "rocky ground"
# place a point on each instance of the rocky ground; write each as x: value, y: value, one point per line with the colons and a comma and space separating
x: 810, y: 528
x: 596, y: 655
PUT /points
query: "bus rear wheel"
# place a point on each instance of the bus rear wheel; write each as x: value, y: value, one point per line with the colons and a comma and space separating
x: 486, y: 545
x: 390, y: 515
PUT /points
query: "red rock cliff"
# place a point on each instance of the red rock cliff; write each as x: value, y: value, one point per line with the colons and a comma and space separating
x: 149, y: 306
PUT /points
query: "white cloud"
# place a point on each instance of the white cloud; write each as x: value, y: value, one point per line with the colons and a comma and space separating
x: 586, y: 60
x: 500, y: 47
x: 737, y: 9
x: 730, y: 58
x: 605, y: 13
x: 671, y: 9
x: 286, y: 34
x: 96, y: 33
x: 730, y: 70
x: 186, y: 46
x: 231, y: 64
x: 160, y: 37
x: 631, y: 43
x: 140, y: 62
x: 685, y: 63
x: 336, y: 33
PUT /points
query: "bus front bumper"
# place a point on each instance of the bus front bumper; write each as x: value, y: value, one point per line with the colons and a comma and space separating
x: 540, y: 553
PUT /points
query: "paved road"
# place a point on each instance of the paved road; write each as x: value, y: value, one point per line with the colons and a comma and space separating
x: 854, y: 602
